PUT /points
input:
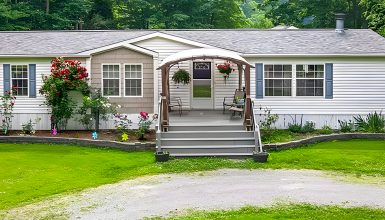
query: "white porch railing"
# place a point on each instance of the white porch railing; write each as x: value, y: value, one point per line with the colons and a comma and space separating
x: 257, y: 131
x: 159, y: 126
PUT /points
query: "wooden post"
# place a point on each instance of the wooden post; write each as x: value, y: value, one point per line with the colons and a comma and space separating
x: 164, y: 122
x: 240, y: 72
x: 247, y: 121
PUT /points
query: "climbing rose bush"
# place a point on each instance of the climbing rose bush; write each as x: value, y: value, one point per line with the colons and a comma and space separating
x: 66, y: 76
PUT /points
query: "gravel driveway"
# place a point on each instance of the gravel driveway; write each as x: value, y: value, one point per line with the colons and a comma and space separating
x: 162, y: 194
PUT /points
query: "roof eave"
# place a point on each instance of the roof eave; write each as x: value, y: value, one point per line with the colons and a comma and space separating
x: 314, y: 55
x: 41, y: 55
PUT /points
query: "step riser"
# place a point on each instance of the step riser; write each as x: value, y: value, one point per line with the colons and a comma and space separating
x: 207, y: 128
x: 206, y: 142
x: 209, y: 151
x: 240, y: 134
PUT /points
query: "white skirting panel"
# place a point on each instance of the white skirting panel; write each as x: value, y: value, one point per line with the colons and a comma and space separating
x: 73, y: 124
x: 320, y: 120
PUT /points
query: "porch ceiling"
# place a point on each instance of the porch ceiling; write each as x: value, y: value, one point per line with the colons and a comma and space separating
x: 203, y: 53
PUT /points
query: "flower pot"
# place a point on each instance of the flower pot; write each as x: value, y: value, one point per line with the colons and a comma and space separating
x: 162, y: 156
x: 260, y: 157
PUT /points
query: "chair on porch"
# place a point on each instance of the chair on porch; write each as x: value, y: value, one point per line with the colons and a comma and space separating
x: 176, y: 102
x: 235, y: 102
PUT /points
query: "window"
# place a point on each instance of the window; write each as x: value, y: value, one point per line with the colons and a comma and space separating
x: 19, y: 79
x: 278, y: 80
x: 310, y: 80
x: 111, y: 80
x: 133, y: 77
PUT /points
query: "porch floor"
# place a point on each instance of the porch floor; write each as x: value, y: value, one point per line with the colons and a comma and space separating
x: 205, y: 117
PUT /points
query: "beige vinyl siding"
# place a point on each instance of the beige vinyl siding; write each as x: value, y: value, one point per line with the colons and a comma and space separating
x: 124, y: 56
x: 165, y: 48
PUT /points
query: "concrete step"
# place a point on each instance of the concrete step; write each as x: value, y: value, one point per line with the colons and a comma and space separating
x: 206, y: 128
x: 231, y: 155
x: 210, y: 150
x: 207, y: 141
x: 208, y: 134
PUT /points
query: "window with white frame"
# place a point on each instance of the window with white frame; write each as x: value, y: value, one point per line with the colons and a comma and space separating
x: 111, y: 79
x: 309, y: 80
x: 278, y: 80
x: 19, y: 79
x: 133, y: 77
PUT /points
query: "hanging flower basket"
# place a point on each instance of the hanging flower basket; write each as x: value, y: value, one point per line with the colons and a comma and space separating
x: 225, y: 69
x: 181, y: 77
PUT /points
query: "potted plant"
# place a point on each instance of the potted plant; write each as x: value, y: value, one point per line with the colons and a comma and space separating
x: 181, y: 77
x: 162, y: 156
x: 260, y: 157
x: 225, y: 69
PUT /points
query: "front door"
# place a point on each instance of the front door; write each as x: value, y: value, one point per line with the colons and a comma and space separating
x: 202, y: 92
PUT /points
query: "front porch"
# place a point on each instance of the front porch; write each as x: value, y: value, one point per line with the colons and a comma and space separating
x: 204, y: 117
x: 211, y: 132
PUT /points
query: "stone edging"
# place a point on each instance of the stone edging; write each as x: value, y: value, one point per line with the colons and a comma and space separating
x: 323, y: 138
x: 139, y: 146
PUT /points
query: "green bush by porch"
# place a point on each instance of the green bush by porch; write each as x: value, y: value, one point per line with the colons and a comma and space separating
x: 34, y: 171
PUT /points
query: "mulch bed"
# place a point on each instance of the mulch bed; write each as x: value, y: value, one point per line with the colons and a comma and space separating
x: 110, y: 135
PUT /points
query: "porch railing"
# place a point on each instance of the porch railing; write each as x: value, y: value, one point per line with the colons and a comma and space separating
x: 257, y: 131
x: 159, y: 126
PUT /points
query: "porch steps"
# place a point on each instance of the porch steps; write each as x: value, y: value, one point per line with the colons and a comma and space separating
x: 208, y: 140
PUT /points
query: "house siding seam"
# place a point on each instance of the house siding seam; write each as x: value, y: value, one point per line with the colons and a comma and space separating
x: 130, y: 105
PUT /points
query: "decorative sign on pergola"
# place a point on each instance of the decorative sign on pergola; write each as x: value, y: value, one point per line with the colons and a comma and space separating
x: 204, y: 53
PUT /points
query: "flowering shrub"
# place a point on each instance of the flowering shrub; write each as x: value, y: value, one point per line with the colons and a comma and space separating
x: 66, y: 75
x: 225, y: 68
x: 94, y: 108
x: 7, y: 104
x: 144, y: 124
x: 122, y: 123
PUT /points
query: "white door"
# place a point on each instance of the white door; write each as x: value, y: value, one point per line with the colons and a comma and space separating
x: 202, y: 91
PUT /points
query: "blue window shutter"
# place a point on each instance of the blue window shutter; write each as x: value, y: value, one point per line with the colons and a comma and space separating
x: 259, y: 79
x: 7, y: 77
x: 32, y: 80
x: 329, y: 81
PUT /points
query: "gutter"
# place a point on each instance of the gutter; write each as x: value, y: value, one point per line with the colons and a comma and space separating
x: 313, y: 55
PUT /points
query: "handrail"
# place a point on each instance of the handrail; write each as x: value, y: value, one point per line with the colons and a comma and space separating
x: 159, y: 129
x: 257, y: 132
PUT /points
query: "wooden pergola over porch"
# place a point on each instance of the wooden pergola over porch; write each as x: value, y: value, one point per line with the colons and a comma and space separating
x: 194, y: 54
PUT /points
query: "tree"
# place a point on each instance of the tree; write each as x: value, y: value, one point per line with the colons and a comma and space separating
x: 375, y: 14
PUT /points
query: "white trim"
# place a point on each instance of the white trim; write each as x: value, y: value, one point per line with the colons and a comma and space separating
x: 169, y: 37
x: 88, y: 66
x: 124, y: 80
x: 10, y: 78
x: 294, y: 80
x: 102, y: 78
x: 156, y: 83
x: 124, y: 44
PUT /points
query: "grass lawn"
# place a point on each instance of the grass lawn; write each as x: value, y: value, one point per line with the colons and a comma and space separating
x: 30, y: 172
x: 298, y: 212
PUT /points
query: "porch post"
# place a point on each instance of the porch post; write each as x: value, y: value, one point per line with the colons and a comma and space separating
x: 164, y: 118
x: 247, y: 120
x: 240, y: 72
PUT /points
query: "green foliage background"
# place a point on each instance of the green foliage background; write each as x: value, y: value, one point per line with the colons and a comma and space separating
x: 187, y: 14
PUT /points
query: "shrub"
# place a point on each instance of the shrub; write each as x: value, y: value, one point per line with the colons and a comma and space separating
x: 308, y: 127
x: 295, y: 128
x: 29, y: 127
x: 326, y: 129
x: 144, y: 124
x: 122, y: 123
x: 374, y: 122
x: 66, y: 75
x: 6, y: 112
x: 94, y: 108
x: 346, y: 126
